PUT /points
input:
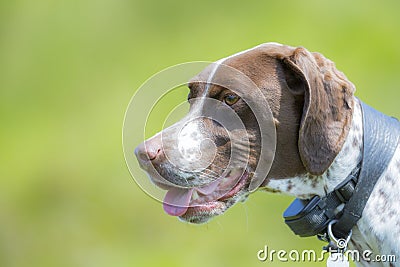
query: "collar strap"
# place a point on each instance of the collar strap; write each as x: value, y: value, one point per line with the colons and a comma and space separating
x: 347, y: 201
x: 380, y: 139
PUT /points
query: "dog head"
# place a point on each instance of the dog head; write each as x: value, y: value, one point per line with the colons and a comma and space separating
x: 208, y: 161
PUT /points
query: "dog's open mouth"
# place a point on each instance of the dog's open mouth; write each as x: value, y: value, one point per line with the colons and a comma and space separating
x: 198, y: 204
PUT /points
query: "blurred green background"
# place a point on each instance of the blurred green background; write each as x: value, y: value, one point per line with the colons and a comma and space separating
x: 67, y: 72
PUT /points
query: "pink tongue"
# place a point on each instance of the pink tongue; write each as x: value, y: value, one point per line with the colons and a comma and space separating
x: 176, y: 201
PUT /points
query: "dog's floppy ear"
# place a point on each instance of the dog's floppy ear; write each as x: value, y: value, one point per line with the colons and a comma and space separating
x: 327, y: 110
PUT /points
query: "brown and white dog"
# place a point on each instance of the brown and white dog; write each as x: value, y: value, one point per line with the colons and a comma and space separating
x: 318, y: 125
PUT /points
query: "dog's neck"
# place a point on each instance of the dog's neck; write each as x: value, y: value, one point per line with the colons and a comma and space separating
x: 306, y: 186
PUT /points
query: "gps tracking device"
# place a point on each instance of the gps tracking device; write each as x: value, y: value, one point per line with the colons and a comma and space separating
x: 308, y: 217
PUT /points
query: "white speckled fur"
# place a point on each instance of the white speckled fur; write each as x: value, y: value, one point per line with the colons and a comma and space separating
x: 379, y: 228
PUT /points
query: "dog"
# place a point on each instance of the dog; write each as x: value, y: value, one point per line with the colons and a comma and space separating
x: 319, y: 141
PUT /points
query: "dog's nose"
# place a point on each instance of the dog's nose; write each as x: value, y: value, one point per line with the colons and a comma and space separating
x: 149, y: 150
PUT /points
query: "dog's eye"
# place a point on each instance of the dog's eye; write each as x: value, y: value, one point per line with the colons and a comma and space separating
x: 231, y: 99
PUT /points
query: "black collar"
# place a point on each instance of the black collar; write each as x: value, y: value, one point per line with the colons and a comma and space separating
x: 342, y: 208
